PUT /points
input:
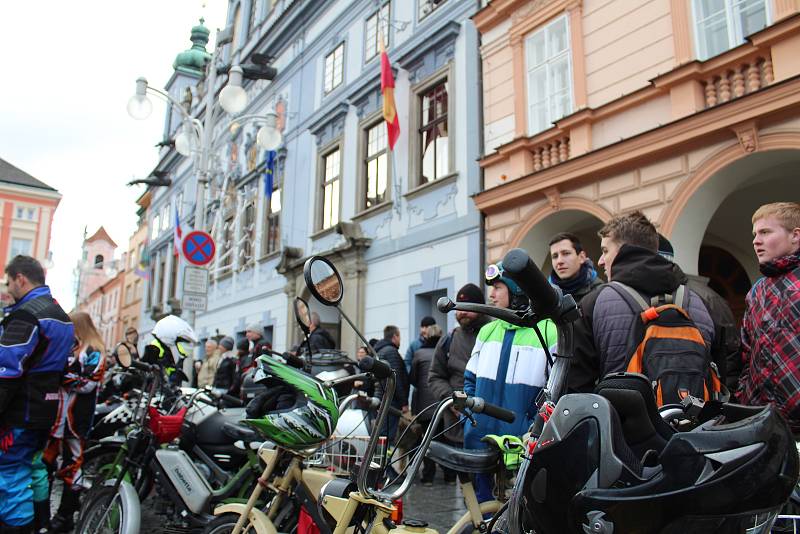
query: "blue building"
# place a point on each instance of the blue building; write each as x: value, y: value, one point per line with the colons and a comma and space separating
x: 400, y: 226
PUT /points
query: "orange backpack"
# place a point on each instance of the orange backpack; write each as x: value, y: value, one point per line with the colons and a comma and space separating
x: 666, y: 346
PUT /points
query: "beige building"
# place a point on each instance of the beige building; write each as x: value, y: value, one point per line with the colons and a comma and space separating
x: 687, y: 111
x: 135, y: 271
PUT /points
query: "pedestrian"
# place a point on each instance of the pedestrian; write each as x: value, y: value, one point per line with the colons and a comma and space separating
x: 771, y: 325
x: 249, y: 388
x: 255, y: 335
x: 367, y: 385
x: 36, y: 337
x: 132, y: 339
x: 242, y: 361
x: 507, y: 367
x: 725, y: 350
x: 319, y: 339
x: 208, y: 368
x: 79, y: 389
x: 629, y: 245
x: 423, y: 398
x: 450, y: 359
x: 417, y: 343
x: 225, y: 375
x: 387, y: 350
x: 573, y: 271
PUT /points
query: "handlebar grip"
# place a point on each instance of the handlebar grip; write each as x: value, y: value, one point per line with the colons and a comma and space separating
x: 231, y: 400
x: 380, y: 369
x: 136, y: 364
x: 492, y: 410
x: 520, y: 268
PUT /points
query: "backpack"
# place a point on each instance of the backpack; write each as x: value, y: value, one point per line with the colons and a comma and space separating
x: 666, y: 346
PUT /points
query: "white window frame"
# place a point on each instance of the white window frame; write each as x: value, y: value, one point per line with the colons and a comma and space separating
x: 12, y: 253
x: 324, y: 181
x: 369, y: 54
x: 434, y: 7
x: 328, y: 87
x: 732, y: 24
x: 567, y: 52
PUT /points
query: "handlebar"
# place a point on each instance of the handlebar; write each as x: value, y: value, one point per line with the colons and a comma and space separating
x: 478, y: 405
x: 545, y: 300
x: 445, y: 305
x: 141, y: 366
x: 378, y: 368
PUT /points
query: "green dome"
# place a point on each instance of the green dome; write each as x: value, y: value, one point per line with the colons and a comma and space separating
x: 194, y: 60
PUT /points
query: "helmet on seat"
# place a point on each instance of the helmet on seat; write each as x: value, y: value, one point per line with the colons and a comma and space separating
x: 583, y: 475
x: 312, y: 416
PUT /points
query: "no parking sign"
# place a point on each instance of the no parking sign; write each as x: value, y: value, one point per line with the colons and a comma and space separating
x: 198, y: 248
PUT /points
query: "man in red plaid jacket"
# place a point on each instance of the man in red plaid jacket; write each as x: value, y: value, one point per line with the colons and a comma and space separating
x: 771, y: 326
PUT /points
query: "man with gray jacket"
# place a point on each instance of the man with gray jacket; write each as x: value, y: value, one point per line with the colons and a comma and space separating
x: 629, y: 246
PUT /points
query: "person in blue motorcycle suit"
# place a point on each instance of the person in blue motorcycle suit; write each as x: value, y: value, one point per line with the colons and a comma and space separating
x: 36, y: 338
x: 508, y: 367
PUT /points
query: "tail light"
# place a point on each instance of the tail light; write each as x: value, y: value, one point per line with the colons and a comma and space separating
x: 397, y: 515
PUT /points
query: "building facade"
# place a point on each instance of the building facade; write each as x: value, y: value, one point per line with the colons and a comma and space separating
x: 136, y: 272
x: 400, y: 225
x: 27, y: 206
x: 684, y: 111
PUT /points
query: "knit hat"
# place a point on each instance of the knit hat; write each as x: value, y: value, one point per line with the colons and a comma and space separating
x: 471, y: 293
x: 243, y: 345
x: 227, y: 343
x: 427, y: 321
x: 255, y: 327
x: 665, y: 248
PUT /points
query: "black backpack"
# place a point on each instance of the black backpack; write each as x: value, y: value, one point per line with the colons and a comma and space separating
x: 666, y: 346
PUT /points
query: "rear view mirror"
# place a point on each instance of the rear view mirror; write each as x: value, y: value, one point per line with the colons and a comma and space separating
x: 302, y: 315
x: 323, y: 280
x: 123, y: 354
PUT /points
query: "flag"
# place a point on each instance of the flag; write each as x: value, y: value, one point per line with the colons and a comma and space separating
x: 177, y: 235
x: 269, y: 173
x: 387, y: 89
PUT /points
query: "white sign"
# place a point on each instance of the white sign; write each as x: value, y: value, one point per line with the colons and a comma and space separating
x: 193, y: 302
x: 195, y: 280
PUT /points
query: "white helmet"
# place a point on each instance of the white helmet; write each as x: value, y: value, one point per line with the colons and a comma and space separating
x: 175, y: 334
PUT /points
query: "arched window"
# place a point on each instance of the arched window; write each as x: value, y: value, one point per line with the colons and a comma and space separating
x: 98, y: 261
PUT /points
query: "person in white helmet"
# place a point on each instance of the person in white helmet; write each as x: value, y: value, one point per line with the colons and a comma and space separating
x: 172, y: 342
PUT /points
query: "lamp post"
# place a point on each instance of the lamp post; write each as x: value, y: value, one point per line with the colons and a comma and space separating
x: 195, y: 137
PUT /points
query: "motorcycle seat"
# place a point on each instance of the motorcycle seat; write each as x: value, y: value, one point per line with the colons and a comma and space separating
x: 236, y: 432
x: 464, y: 460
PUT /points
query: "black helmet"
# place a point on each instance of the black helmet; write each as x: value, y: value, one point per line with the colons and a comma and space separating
x: 589, y: 473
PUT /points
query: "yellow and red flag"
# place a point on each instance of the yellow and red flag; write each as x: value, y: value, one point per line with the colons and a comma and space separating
x: 389, y: 109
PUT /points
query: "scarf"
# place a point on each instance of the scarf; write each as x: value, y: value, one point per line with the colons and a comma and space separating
x: 780, y: 265
x: 585, y: 276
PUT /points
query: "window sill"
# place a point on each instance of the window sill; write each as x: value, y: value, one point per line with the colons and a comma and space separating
x: 271, y: 255
x: 447, y: 179
x: 323, y: 232
x: 383, y: 206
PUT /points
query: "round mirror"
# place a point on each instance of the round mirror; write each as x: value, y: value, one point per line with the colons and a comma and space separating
x: 301, y: 313
x: 122, y: 352
x: 323, y: 280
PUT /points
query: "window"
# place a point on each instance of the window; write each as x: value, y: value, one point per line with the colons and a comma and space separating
x: 247, y: 227
x: 173, y: 279
x: 179, y: 203
x: 20, y: 247
x: 724, y: 24
x: 162, y: 274
x: 375, y: 165
x: 138, y: 289
x: 549, y: 79
x: 156, y: 227
x: 426, y: 7
x: 331, y: 168
x: 226, y: 260
x: 98, y: 261
x: 334, y: 69
x: 272, y: 212
x: 31, y: 213
x: 434, y: 147
x: 377, y: 26
x: 128, y: 295
x: 253, y: 14
x: 20, y: 213
x: 166, y: 221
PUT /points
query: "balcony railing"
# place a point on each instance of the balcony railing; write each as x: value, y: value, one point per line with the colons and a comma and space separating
x: 738, y: 80
x: 550, y: 153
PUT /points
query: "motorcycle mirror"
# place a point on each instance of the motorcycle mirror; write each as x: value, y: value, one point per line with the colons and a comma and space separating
x: 323, y: 280
x: 123, y: 354
x: 302, y: 315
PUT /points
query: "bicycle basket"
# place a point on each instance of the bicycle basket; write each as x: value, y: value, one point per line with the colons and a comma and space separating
x: 165, y: 427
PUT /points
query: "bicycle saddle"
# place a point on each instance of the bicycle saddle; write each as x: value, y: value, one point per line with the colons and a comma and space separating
x: 464, y: 460
x: 237, y: 432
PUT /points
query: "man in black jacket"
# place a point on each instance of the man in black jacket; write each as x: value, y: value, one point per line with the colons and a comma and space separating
x: 388, y: 351
x: 573, y: 271
x: 319, y: 339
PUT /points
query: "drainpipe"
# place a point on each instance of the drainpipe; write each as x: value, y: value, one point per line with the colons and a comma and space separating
x: 481, y: 148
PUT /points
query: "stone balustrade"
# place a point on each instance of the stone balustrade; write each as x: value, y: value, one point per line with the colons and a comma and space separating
x: 737, y: 80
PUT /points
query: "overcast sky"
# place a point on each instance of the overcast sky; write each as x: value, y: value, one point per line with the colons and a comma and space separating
x: 68, y: 71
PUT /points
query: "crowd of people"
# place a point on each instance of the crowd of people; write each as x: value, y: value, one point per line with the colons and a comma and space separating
x: 52, y: 365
